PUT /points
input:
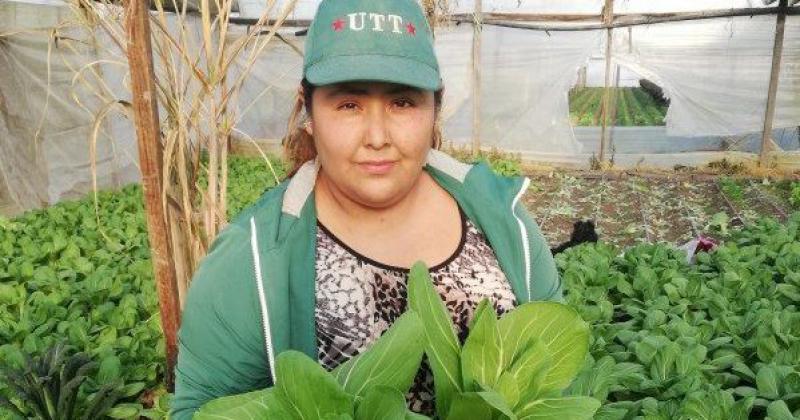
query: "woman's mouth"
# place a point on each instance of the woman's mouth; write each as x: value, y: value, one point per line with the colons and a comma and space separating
x: 377, y: 167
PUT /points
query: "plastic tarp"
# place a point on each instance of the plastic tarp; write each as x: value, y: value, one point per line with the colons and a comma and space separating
x: 266, y: 98
x: 787, y: 107
x: 716, y: 72
x: 47, y: 114
x: 526, y: 76
x: 46, y: 118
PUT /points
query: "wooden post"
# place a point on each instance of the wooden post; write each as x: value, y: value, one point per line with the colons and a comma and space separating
x: 476, y: 78
x: 630, y: 39
x: 608, y: 16
x: 777, y: 52
x: 614, y: 99
x: 612, y: 106
x: 582, y: 77
x: 148, y: 137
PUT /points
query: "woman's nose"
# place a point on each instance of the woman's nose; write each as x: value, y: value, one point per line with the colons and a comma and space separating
x: 377, y: 134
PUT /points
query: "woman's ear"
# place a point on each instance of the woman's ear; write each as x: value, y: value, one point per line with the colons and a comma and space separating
x: 440, y: 94
x: 301, y: 97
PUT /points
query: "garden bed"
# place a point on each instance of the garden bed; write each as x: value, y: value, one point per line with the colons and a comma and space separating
x: 635, y: 107
x: 639, y: 207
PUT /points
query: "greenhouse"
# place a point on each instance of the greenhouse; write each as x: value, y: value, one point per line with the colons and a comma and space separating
x: 659, y: 144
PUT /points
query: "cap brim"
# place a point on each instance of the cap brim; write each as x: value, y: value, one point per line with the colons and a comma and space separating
x: 374, y: 68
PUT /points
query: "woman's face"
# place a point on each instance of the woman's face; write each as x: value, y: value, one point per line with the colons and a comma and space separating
x: 372, y: 138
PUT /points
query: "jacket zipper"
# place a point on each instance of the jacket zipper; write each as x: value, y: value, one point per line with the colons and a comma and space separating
x: 262, y: 299
x: 524, y: 235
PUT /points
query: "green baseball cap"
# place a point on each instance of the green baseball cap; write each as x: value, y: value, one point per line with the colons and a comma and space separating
x: 371, y: 40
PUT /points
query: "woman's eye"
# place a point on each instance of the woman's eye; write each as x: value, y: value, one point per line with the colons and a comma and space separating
x: 349, y: 106
x: 404, y: 103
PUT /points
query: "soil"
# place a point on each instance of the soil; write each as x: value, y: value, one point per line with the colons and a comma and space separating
x: 631, y: 208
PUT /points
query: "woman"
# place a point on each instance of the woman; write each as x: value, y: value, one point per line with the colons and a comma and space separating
x: 319, y: 263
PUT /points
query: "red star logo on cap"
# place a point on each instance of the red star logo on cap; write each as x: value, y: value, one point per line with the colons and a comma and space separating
x: 411, y: 29
x: 337, y: 25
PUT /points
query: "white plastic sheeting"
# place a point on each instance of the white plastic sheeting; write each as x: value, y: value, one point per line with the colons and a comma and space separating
x: 716, y: 72
x: 46, y: 118
x: 787, y: 110
x: 265, y: 100
x: 526, y: 76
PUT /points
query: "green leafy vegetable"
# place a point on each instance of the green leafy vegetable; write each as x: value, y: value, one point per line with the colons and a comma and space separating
x: 382, y: 365
x: 252, y: 405
x: 715, y: 339
x: 83, y: 274
x: 558, y: 408
x: 511, y: 368
x: 307, y: 390
x: 49, y: 385
x: 482, y: 353
x: 382, y: 403
x: 369, y: 386
x: 441, y: 344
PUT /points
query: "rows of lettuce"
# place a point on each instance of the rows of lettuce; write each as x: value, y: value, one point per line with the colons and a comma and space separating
x: 717, y: 339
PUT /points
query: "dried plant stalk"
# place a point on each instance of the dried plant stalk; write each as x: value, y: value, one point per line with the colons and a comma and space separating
x: 202, y: 62
x: 437, y: 12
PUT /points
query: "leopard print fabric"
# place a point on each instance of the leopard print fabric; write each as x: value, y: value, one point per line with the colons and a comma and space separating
x: 359, y: 298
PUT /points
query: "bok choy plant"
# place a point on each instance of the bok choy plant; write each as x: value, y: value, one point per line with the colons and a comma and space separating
x: 512, y: 368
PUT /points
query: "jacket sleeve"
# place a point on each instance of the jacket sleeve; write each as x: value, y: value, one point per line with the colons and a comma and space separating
x: 545, y: 280
x: 220, y: 343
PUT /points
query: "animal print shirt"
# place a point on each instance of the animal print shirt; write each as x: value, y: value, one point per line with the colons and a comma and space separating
x: 359, y: 298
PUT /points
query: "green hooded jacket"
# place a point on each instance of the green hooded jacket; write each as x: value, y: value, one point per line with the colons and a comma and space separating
x: 253, y: 295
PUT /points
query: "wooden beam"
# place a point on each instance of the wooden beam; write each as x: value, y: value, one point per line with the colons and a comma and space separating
x: 518, y: 20
x: 630, y: 19
x: 774, y: 78
x: 148, y: 137
x: 529, y: 17
x: 608, y: 15
x: 476, y: 78
x: 288, y: 23
x: 625, y: 20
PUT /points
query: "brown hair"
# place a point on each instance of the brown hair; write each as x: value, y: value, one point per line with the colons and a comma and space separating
x: 298, y: 145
